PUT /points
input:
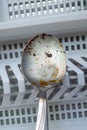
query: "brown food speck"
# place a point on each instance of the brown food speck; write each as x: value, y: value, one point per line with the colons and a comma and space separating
x: 27, y: 51
x: 62, y: 51
x: 61, y: 46
x: 30, y: 43
x: 48, y: 54
x: 26, y: 48
x: 29, y: 48
x: 34, y: 83
x: 34, y: 54
x: 55, y: 73
x: 54, y: 81
x: 50, y: 35
x: 43, y: 35
x: 43, y: 83
x: 34, y: 38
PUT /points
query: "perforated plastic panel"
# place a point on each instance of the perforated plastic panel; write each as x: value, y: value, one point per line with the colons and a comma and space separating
x: 27, y: 8
x: 67, y: 102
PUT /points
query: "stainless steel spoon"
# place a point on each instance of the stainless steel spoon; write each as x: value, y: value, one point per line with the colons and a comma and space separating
x: 44, y: 65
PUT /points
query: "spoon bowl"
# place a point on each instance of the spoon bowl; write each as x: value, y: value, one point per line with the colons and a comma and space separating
x: 43, y: 61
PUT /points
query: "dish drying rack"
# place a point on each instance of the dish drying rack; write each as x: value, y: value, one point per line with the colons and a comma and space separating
x: 67, y: 102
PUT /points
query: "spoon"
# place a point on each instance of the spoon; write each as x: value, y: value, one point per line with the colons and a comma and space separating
x: 44, y: 66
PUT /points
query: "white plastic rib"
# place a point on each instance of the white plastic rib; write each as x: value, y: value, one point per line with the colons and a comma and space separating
x: 81, y: 61
x: 66, y: 80
x: 80, y: 73
x: 59, y: 94
x: 41, y: 118
x: 19, y: 77
x: 6, y: 86
x: 5, y: 79
x: 72, y: 93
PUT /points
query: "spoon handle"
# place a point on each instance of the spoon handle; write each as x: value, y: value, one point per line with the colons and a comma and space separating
x: 41, y: 117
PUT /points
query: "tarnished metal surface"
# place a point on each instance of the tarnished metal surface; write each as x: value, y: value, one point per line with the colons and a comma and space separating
x: 43, y: 61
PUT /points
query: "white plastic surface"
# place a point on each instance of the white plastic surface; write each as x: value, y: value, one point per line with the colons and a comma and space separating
x: 24, y: 18
x: 67, y: 103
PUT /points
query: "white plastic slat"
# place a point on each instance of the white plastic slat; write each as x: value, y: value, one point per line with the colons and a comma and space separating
x: 33, y: 97
x: 13, y: 14
x: 53, y: 7
x: 83, y: 94
x: 82, y: 6
x: 72, y: 93
x: 4, y: 11
x: 80, y: 73
x: 64, y: 6
x: 59, y: 94
x: 6, y: 87
x: 66, y: 80
x: 49, y: 92
x: 41, y: 6
x: 81, y: 61
x: 76, y: 6
x: 19, y: 99
x: 5, y: 79
x: 6, y: 100
x: 19, y: 76
x: 35, y: 5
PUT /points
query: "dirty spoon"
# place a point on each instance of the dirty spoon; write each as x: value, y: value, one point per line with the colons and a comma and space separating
x: 44, y: 65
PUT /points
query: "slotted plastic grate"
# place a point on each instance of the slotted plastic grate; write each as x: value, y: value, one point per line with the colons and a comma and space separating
x: 67, y: 102
x: 24, y: 9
